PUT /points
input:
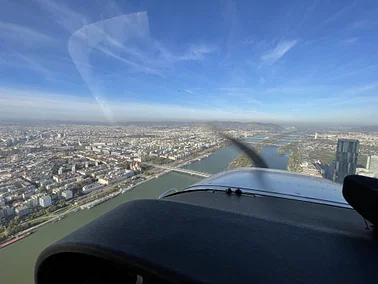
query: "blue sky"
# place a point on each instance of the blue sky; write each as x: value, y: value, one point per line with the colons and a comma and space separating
x: 278, y: 61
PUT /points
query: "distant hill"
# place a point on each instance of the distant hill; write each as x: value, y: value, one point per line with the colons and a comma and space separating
x: 266, y: 126
x: 249, y: 125
x: 271, y: 127
x: 365, y: 129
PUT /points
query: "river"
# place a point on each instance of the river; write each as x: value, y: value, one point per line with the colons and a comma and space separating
x: 17, y: 260
x: 271, y: 155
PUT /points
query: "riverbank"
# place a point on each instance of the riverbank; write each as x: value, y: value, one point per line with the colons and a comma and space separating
x: 15, y: 239
x: 295, y: 157
x: 75, y: 208
x: 274, y: 141
x: 17, y: 260
x: 243, y: 160
x: 56, y: 216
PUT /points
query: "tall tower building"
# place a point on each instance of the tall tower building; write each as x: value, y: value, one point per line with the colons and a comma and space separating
x: 346, y: 158
x: 372, y: 164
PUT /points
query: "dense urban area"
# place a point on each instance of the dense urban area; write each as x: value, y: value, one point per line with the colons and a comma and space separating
x: 50, y: 170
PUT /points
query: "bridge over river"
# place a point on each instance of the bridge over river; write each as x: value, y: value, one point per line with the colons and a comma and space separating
x: 177, y: 169
x: 269, y: 144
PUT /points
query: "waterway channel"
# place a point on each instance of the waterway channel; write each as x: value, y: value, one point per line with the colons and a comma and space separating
x: 17, y: 260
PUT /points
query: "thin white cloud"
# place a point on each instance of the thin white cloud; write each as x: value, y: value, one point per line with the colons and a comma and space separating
x: 189, y: 91
x: 137, y: 67
x: 339, y: 13
x: 257, y: 45
x: 133, y: 52
x: 360, y: 24
x: 23, y: 34
x: 103, y: 36
x: 364, y: 88
x: 354, y: 72
x: 32, y: 64
x: 275, y: 54
x: 228, y: 89
x: 350, y: 40
x: 67, y: 18
x: 111, y: 31
x: 236, y: 95
x: 262, y: 81
x: 125, y: 38
x: 196, y: 52
x: 24, y: 62
x: 249, y: 41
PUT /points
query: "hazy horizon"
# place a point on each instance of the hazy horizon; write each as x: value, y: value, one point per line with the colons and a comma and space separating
x: 308, y: 125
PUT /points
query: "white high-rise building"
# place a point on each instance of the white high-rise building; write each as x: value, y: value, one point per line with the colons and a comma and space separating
x: 22, y: 210
x: 45, y: 201
x: 67, y: 194
x: 91, y: 187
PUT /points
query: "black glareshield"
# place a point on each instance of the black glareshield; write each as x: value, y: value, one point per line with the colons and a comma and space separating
x: 362, y: 194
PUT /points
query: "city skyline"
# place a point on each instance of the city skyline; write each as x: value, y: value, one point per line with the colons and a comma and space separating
x: 294, y: 62
x: 56, y: 171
